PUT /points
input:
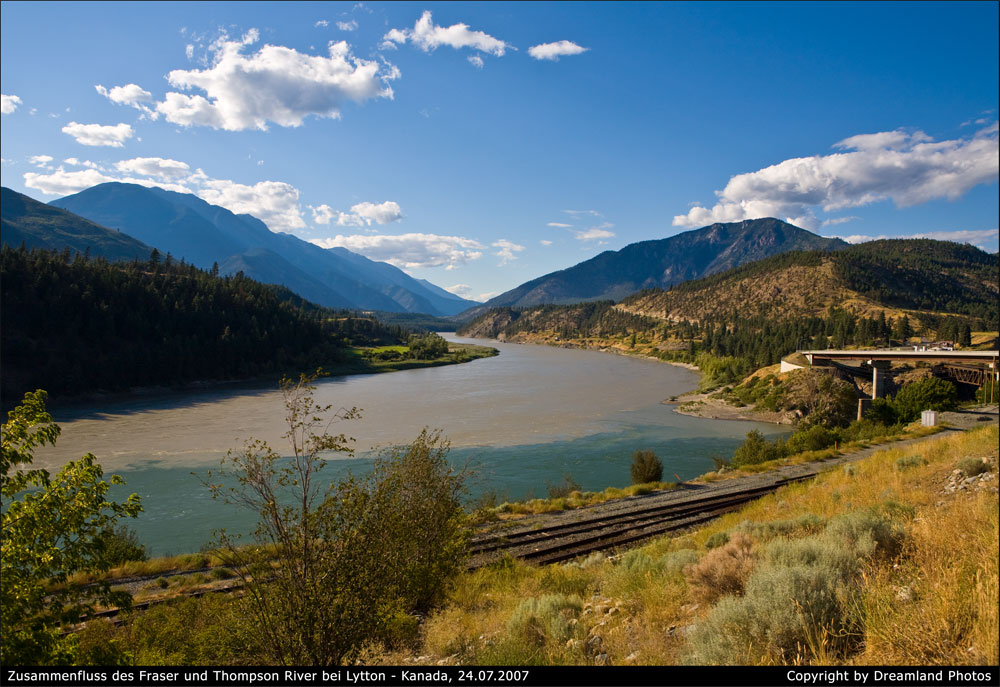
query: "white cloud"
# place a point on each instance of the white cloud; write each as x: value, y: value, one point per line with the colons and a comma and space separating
x: 273, y: 202
x: 907, y: 168
x: 41, y: 161
x: 579, y: 213
x: 428, y: 36
x: 545, y: 242
x: 321, y: 24
x: 410, y: 250
x: 351, y: 25
x: 275, y: 84
x: 476, y: 61
x: 361, y: 214
x: 159, y: 167
x: 76, y: 162
x: 507, y: 250
x: 131, y: 95
x: 487, y: 295
x: 838, y: 220
x: 62, y: 183
x: 463, y: 290
x: 8, y: 103
x: 99, y: 135
x: 553, y: 51
x: 560, y: 225
x: 189, y: 51
x: 594, y: 233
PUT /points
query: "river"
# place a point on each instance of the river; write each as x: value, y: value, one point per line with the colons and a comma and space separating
x: 524, y: 419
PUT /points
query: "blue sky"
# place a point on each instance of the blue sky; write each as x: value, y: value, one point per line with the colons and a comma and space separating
x: 481, y: 145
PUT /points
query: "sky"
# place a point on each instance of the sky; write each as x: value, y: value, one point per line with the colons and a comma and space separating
x: 481, y: 145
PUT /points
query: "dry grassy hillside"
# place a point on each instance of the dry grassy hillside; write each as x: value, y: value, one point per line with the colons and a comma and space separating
x: 792, y: 291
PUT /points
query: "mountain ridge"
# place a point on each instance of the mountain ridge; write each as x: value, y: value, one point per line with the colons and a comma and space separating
x: 203, y: 234
x: 612, y: 275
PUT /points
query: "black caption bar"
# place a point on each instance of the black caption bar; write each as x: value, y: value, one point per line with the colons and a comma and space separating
x: 493, y: 676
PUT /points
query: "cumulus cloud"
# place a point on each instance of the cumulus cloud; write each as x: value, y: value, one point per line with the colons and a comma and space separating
x: 361, y: 215
x: 273, y: 202
x: 8, y: 103
x: 463, y: 290
x: 75, y: 162
x: 41, y: 161
x: 275, y: 84
x: 507, y: 250
x: 99, y: 135
x: 321, y: 23
x: 476, y: 61
x: 351, y: 25
x: 161, y: 168
x: 132, y: 95
x: 428, y: 36
x: 410, y: 250
x: 907, y: 168
x: 545, y: 242
x: 553, y: 51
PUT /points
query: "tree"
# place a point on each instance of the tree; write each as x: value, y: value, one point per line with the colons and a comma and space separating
x: 328, y: 570
x: 57, y: 529
x: 931, y: 393
x: 646, y: 467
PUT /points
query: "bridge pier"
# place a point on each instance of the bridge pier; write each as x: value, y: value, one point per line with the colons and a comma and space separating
x: 879, y: 368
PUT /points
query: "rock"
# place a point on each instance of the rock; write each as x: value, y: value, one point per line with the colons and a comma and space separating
x: 574, y: 644
x: 594, y: 643
x: 601, y: 660
x: 632, y: 656
x: 613, y: 610
x: 904, y: 594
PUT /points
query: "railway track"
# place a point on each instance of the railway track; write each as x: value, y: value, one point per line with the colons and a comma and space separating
x: 565, y: 541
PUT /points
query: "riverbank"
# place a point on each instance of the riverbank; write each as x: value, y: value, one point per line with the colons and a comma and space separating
x: 355, y: 364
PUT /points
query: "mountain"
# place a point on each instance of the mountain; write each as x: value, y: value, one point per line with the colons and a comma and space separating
x: 188, y: 227
x: 660, y: 263
x: 933, y: 283
x: 37, y: 225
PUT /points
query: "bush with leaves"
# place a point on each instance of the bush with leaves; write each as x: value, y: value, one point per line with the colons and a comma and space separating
x: 52, y: 528
x: 329, y: 570
x: 646, y: 467
x: 931, y: 393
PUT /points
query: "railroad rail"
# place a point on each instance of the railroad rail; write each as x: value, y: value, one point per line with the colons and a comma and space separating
x: 565, y: 541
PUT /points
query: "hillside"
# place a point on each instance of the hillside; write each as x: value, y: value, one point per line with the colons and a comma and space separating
x: 752, y: 315
x: 203, y: 234
x: 918, y: 276
x: 663, y: 262
x: 78, y: 326
x: 37, y: 225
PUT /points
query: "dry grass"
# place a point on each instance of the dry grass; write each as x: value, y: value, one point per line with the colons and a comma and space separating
x: 934, y: 600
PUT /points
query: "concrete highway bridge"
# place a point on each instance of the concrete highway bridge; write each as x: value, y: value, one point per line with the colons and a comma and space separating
x: 969, y: 367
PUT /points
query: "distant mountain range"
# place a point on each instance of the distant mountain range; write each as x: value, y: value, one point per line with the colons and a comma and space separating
x: 660, y: 263
x: 37, y: 225
x: 202, y: 234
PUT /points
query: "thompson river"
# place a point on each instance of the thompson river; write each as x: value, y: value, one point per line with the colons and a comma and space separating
x: 524, y: 419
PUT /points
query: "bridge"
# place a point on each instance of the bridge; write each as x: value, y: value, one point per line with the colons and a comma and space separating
x: 969, y: 367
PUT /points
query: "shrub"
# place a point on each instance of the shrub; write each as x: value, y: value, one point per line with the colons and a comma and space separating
x: 867, y: 533
x: 755, y: 450
x: 637, y: 562
x: 563, y: 489
x: 972, y: 466
x: 534, y: 620
x: 807, y: 523
x: 716, y: 540
x: 121, y: 545
x: 931, y: 393
x: 907, y: 462
x: 723, y: 570
x: 675, y: 561
x: 814, y: 438
x: 646, y: 467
